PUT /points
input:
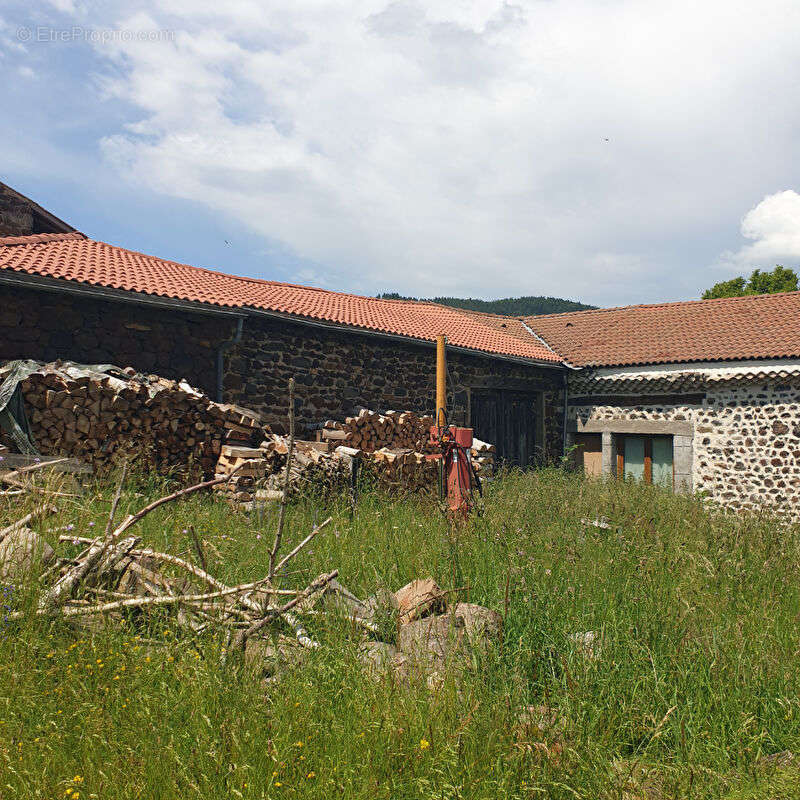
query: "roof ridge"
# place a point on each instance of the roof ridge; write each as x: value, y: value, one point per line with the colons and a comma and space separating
x: 668, y: 304
x: 40, y: 238
x: 305, y: 287
x: 43, y: 238
x: 96, y: 262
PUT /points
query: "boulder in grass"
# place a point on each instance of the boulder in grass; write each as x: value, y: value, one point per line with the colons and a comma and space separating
x: 481, y: 624
x: 418, y: 599
x: 452, y: 637
x: 381, y: 659
x: 23, y: 552
x: 268, y: 659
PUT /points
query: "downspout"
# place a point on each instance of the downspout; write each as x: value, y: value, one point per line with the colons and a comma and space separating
x: 566, y: 402
x: 564, y: 430
x: 223, y: 348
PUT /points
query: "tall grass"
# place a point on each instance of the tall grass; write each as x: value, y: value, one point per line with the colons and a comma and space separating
x: 697, y: 679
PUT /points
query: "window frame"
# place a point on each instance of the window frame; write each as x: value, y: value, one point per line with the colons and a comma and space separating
x: 648, y: 454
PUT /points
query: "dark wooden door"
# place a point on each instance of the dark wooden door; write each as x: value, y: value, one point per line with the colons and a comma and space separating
x: 507, y: 420
x: 486, y: 418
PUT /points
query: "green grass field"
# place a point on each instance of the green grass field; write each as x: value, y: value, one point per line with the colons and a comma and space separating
x: 698, y: 678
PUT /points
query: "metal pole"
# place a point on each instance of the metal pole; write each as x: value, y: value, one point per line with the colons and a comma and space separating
x: 441, y: 382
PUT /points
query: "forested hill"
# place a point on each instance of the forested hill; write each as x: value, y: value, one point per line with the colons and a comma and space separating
x: 510, y: 306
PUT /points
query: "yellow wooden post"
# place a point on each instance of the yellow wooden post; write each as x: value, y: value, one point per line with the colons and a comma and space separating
x: 441, y: 382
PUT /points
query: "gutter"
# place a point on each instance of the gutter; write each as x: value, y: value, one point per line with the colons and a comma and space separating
x: 223, y: 348
x: 65, y: 286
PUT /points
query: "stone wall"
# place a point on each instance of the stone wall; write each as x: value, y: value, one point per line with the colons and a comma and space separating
x: 16, y: 217
x: 46, y: 326
x: 21, y: 217
x: 337, y: 372
x: 745, y: 445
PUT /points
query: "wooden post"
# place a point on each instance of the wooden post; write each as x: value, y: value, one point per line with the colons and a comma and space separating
x: 441, y: 382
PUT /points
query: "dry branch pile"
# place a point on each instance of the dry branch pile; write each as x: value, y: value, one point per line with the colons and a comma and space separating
x: 112, y: 574
x: 103, y: 417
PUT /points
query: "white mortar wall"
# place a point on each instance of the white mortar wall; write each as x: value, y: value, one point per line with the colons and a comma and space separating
x: 745, y: 451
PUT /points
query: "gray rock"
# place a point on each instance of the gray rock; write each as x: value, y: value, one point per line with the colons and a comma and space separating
x: 450, y: 638
x: 268, y: 658
x: 378, y: 658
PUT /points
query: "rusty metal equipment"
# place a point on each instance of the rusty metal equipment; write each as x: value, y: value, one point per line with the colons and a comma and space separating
x: 454, y: 446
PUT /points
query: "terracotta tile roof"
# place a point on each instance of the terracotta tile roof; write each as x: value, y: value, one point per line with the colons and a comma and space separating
x: 73, y: 257
x: 736, y: 328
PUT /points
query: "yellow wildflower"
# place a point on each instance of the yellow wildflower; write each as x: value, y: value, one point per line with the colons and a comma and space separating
x: 424, y: 744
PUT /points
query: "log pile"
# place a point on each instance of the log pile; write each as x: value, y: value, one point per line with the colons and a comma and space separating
x: 482, y: 455
x: 403, y: 470
x: 260, y: 471
x: 398, y: 432
x: 373, y: 430
x: 323, y: 467
x: 102, y: 417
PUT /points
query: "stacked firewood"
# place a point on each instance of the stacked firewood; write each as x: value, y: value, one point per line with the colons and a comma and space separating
x: 105, y: 417
x: 372, y: 430
x: 260, y: 471
x: 482, y: 455
x: 404, y: 470
x: 326, y: 466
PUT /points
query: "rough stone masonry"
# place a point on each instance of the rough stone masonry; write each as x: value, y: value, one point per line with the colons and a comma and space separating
x: 744, y: 445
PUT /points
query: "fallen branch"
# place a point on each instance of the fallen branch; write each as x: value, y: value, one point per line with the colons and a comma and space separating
x: 285, y: 493
x: 317, y: 585
x: 289, y: 556
x: 31, y: 468
x: 132, y: 519
x: 136, y: 602
x: 114, y: 503
x: 21, y: 523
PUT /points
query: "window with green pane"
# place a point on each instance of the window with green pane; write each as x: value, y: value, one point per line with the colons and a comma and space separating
x: 645, y: 458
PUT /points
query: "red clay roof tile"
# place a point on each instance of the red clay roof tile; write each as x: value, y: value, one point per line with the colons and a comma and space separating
x: 73, y: 257
x: 729, y: 329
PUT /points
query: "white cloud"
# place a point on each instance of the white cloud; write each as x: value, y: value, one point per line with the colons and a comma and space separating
x: 774, y: 228
x: 464, y: 146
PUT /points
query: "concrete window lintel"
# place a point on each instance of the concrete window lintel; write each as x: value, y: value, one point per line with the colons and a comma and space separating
x: 643, y: 426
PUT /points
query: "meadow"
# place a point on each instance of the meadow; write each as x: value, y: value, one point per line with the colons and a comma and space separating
x: 695, y: 690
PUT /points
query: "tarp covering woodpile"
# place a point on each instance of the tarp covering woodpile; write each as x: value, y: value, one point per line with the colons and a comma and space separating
x: 102, y: 414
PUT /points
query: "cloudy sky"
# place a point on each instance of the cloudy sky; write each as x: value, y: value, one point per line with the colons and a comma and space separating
x: 607, y: 151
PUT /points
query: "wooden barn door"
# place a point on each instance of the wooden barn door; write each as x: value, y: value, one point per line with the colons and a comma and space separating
x: 508, y: 420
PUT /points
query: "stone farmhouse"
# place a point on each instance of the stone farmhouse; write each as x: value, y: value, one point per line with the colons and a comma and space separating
x: 699, y: 396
